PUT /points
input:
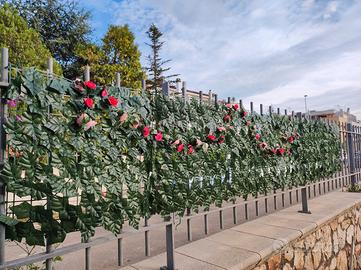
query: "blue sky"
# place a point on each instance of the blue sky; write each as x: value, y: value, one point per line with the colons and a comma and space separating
x: 270, y: 52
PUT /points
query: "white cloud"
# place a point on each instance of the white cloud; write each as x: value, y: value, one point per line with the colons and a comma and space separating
x: 269, y: 51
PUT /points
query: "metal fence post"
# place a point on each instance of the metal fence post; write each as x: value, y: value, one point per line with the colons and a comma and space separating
x: 170, y: 247
x: 4, y: 79
x: 351, y: 152
x: 144, y: 85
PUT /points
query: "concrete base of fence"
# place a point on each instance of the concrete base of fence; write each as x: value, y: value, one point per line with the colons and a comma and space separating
x: 282, y: 240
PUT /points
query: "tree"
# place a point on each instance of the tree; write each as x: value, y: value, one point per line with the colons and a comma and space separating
x: 62, y: 26
x: 25, y: 44
x: 118, y: 53
x: 156, y: 69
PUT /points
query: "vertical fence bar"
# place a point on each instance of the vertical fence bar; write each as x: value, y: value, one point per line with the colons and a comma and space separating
x: 87, y: 73
x: 87, y: 259
x: 170, y: 246
x: 278, y: 111
x: 165, y: 88
x: 234, y: 214
x: 351, y: 152
x: 4, y: 79
x: 215, y: 99
x: 210, y: 97
x: 251, y: 107
x: 205, y: 224
x: 189, y: 229
x: 261, y: 109
x: 200, y: 97
x: 221, y: 219
x: 117, y: 79
x: 120, y: 252
x: 270, y: 110
x: 304, y: 201
x: 146, y: 239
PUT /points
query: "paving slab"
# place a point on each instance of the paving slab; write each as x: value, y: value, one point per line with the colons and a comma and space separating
x: 182, y: 263
x: 223, y: 256
x: 259, y: 244
x: 277, y: 233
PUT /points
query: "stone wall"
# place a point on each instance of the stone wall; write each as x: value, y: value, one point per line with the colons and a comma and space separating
x: 328, y: 247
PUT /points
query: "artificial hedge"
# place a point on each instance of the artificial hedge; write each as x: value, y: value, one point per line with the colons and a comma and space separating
x: 128, y: 157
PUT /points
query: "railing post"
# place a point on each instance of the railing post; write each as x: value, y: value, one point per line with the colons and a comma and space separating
x: 305, y: 209
x: 117, y: 79
x: 87, y: 73
x: 169, y: 247
x: 165, y: 88
x: 87, y: 259
x: 251, y: 106
x: 120, y: 251
x: 215, y: 99
x: 4, y: 79
x: 210, y: 97
x: 146, y: 239
x: 351, y: 152
x: 200, y: 97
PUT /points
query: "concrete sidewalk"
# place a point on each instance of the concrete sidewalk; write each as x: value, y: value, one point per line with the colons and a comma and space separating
x: 243, y: 246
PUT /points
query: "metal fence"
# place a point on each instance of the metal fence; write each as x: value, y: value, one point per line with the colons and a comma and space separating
x: 350, y: 137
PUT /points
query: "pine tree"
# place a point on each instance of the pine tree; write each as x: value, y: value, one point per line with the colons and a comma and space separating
x: 156, y: 67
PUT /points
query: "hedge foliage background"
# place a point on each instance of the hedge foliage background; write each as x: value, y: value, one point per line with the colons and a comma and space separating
x: 129, y: 156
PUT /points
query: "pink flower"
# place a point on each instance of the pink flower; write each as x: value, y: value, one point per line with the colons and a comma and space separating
x: 274, y: 151
x: 248, y: 123
x: 80, y: 119
x: 104, y: 92
x: 229, y: 105
x: 159, y: 137
x: 11, y: 103
x: 123, y: 117
x: 180, y: 148
x: 199, y: 142
x: 146, y: 131
x: 262, y: 145
x: 257, y: 137
x: 227, y: 118
x: 221, y: 129
x: 176, y: 142
x: 211, y: 137
x: 90, y: 124
x: 235, y: 106
x: 90, y: 85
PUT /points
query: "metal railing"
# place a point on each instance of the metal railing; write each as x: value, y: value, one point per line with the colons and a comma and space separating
x: 253, y: 208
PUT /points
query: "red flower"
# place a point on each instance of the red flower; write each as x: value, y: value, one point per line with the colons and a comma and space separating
x: 291, y: 139
x: 235, y: 106
x: 211, y: 137
x: 244, y: 114
x: 227, y: 118
x: 146, y: 131
x: 90, y: 85
x: 180, y: 148
x: 257, y: 137
x: 281, y: 151
x: 221, y: 139
x: 229, y: 105
x: 113, y: 101
x: 89, y: 102
x: 190, y: 149
x: 159, y: 137
x: 104, y: 92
